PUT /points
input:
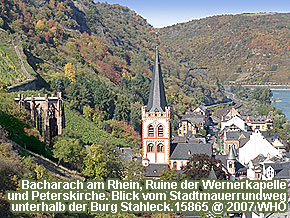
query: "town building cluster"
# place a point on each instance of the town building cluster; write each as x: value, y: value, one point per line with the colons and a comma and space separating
x: 246, y: 145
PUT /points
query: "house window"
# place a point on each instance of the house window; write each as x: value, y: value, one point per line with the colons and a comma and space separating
x: 150, y: 148
x: 160, y: 131
x: 174, y: 165
x: 160, y: 147
x: 150, y: 131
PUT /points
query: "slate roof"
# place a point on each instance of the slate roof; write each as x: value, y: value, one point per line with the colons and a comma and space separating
x: 257, y: 119
x: 183, y: 151
x: 257, y: 160
x: 271, y: 136
x: 222, y: 158
x: 243, y: 141
x: 212, y: 174
x: 157, y: 99
x: 239, y: 166
x: 235, y: 135
x: 194, y: 140
x: 194, y: 118
x: 179, y: 139
x: 153, y: 170
x: 126, y: 153
x: 282, y: 170
x: 283, y: 174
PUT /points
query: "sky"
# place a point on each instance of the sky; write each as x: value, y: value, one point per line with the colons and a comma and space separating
x: 160, y: 13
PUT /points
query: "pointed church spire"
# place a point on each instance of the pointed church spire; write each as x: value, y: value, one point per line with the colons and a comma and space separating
x: 231, y: 155
x: 157, y: 100
x: 212, y: 174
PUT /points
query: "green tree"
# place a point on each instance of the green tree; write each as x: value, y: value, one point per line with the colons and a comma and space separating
x: 59, y: 86
x: 135, y: 119
x: 98, y: 116
x: 114, y: 165
x: 103, y: 98
x: 168, y: 174
x: 122, y: 110
x: 135, y: 170
x: 88, y: 112
x: 1, y: 22
x: 279, y: 120
x: 94, y: 164
x: 264, y: 95
x: 68, y: 150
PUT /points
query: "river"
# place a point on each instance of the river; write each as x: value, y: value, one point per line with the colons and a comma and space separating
x: 284, y: 104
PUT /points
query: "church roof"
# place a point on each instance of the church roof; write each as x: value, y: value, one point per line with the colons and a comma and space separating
x: 183, y: 151
x: 212, y: 174
x: 157, y: 99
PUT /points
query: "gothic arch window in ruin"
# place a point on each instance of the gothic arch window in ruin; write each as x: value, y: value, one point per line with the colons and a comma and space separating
x: 53, y: 128
x: 39, y: 121
x: 47, y: 113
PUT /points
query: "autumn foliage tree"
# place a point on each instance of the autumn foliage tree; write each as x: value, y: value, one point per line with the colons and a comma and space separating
x: 70, y: 72
x: 199, y: 166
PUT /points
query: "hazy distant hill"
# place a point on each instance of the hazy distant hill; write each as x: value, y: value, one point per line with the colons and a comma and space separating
x: 246, y: 47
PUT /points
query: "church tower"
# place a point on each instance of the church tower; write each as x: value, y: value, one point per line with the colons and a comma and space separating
x: 156, y: 122
x: 231, y: 161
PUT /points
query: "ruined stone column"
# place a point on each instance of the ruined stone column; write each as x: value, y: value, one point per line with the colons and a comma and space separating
x: 46, y: 119
x: 32, y: 110
x: 59, y: 114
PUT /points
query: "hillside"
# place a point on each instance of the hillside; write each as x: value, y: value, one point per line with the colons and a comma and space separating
x: 245, y: 47
x: 14, y: 68
x: 99, y: 40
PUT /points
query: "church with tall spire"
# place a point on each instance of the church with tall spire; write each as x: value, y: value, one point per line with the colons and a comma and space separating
x: 158, y: 147
x: 156, y: 121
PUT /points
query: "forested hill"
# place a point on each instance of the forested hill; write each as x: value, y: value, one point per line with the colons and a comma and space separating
x: 83, y: 40
x: 245, y: 47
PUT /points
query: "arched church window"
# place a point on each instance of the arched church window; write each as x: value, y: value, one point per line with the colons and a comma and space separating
x: 160, y: 147
x: 160, y: 131
x: 150, y: 148
x: 230, y: 165
x: 150, y: 131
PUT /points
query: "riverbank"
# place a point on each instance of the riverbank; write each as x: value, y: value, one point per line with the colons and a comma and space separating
x: 276, y: 100
x: 284, y: 103
x: 275, y: 87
